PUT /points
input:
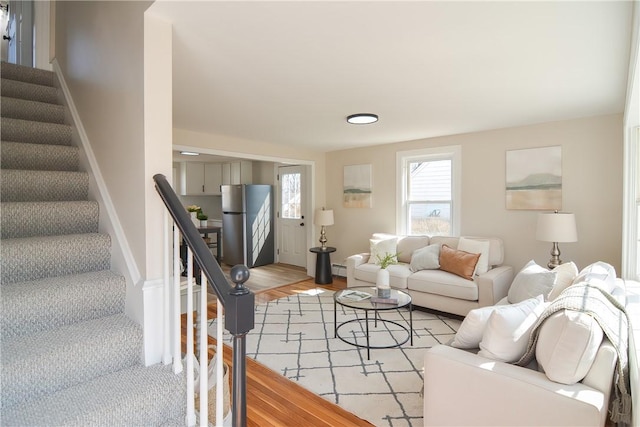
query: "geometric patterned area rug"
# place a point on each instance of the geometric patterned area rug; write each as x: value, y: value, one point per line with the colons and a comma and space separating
x: 294, y: 336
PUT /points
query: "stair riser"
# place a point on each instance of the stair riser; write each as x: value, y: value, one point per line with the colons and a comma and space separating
x: 42, y: 305
x: 22, y: 90
x: 19, y: 155
x: 29, y: 186
x: 133, y: 397
x: 27, y: 74
x: 31, y: 110
x: 35, y: 258
x: 26, y: 219
x: 97, y: 347
x: 33, y: 132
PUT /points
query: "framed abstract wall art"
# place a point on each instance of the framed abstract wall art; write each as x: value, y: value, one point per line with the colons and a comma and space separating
x: 534, y: 178
x: 357, y: 186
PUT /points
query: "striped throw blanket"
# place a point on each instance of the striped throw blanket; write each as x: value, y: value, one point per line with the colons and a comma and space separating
x: 612, y: 318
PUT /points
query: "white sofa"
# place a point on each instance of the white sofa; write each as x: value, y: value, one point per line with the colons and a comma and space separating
x: 434, y: 288
x: 497, y: 393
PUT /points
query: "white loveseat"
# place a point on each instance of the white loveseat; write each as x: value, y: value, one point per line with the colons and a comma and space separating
x: 499, y: 393
x: 434, y: 288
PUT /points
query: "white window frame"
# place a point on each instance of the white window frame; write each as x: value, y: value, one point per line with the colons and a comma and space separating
x: 403, y: 158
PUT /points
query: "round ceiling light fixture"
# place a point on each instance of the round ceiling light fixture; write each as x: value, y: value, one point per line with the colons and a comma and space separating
x: 189, y: 153
x: 362, y: 118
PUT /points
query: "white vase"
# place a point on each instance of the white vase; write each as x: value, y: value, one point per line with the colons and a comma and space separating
x: 203, y: 223
x: 382, y: 283
x: 194, y: 219
x: 382, y: 278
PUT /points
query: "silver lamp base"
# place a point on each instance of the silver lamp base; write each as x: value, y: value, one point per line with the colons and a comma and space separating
x: 555, y: 257
x: 323, y: 238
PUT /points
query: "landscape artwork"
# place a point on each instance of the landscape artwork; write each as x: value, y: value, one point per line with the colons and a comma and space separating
x: 357, y: 186
x: 534, y: 178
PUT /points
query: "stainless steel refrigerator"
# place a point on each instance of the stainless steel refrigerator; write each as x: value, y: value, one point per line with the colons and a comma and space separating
x: 247, y: 225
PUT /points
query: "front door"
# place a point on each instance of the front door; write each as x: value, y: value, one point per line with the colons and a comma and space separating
x: 20, y: 29
x: 292, y: 246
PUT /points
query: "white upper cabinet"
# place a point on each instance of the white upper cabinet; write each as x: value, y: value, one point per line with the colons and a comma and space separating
x: 240, y: 172
x: 198, y: 179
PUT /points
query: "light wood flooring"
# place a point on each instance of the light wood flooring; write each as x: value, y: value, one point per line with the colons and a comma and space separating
x: 273, y: 400
x: 271, y: 276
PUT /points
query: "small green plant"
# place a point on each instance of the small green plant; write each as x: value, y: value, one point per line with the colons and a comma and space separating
x: 201, y: 216
x: 387, y: 260
x: 193, y: 208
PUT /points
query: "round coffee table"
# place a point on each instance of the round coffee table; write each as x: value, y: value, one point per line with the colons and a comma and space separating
x: 367, y: 305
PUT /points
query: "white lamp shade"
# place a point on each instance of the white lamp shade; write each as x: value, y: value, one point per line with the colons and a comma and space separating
x: 323, y: 217
x: 556, y: 227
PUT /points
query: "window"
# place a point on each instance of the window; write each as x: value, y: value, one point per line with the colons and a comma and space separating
x: 290, y: 197
x: 429, y: 183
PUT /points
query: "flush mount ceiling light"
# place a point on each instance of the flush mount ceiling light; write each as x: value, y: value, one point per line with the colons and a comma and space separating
x: 189, y: 153
x: 362, y: 118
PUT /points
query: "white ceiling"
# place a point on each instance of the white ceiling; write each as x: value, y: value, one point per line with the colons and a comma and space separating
x: 290, y: 72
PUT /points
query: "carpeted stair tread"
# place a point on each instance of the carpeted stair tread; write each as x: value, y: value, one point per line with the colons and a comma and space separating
x: 26, y: 74
x: 35, y: 132
x: 33, y: 258
x: 136, y: 396
x: 44, y: 362
x: 32, y: 110
x: 45, y: 186
x: 30, y: 91
x: 22, y: 155
x: 28, y: 219
x: 40, y: 305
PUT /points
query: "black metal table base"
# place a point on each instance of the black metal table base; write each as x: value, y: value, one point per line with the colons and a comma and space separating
x: 377, y: 318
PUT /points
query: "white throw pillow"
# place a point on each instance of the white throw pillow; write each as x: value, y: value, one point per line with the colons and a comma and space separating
x: 381, y: 248
x: 476, y: 247
x: 531, y: 281
x: 426, y: 258
x: 565, y: 274
x: 598, y: 273
x: 506, y: 335
x: 567, y: 345
x: 472, y: 327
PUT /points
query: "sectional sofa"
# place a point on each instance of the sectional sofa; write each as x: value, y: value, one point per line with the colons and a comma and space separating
x: 569, y: 377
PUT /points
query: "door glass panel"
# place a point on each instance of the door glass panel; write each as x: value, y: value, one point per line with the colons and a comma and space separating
x: 290, y: 196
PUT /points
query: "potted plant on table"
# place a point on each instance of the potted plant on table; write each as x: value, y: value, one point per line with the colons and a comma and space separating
x: 382, y: 278
x: 203, y: 219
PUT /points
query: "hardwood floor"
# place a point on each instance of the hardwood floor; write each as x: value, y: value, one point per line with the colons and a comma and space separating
x: 273, y: 400
x: 271, y: 276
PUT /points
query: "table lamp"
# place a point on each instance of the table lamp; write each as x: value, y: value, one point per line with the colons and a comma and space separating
x: 323, y: 218
x: 556, y: 227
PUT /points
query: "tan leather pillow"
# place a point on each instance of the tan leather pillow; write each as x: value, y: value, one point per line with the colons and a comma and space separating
x: 457, y: 262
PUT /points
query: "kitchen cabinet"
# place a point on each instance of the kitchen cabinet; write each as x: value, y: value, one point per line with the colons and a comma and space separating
x: 240, y: 172
x: 198, y: 178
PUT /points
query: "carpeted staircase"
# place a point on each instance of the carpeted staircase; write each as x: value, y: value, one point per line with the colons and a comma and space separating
x: 70, y: 356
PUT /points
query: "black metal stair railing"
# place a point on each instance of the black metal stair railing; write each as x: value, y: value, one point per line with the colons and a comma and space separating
x: 238, y: 301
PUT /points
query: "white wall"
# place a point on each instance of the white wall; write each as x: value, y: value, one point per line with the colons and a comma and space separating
x: 591, y: 184
x: 99, y: 48
x: 120, y: 83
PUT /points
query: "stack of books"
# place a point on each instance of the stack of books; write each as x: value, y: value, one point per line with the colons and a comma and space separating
x: 384, y: 300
